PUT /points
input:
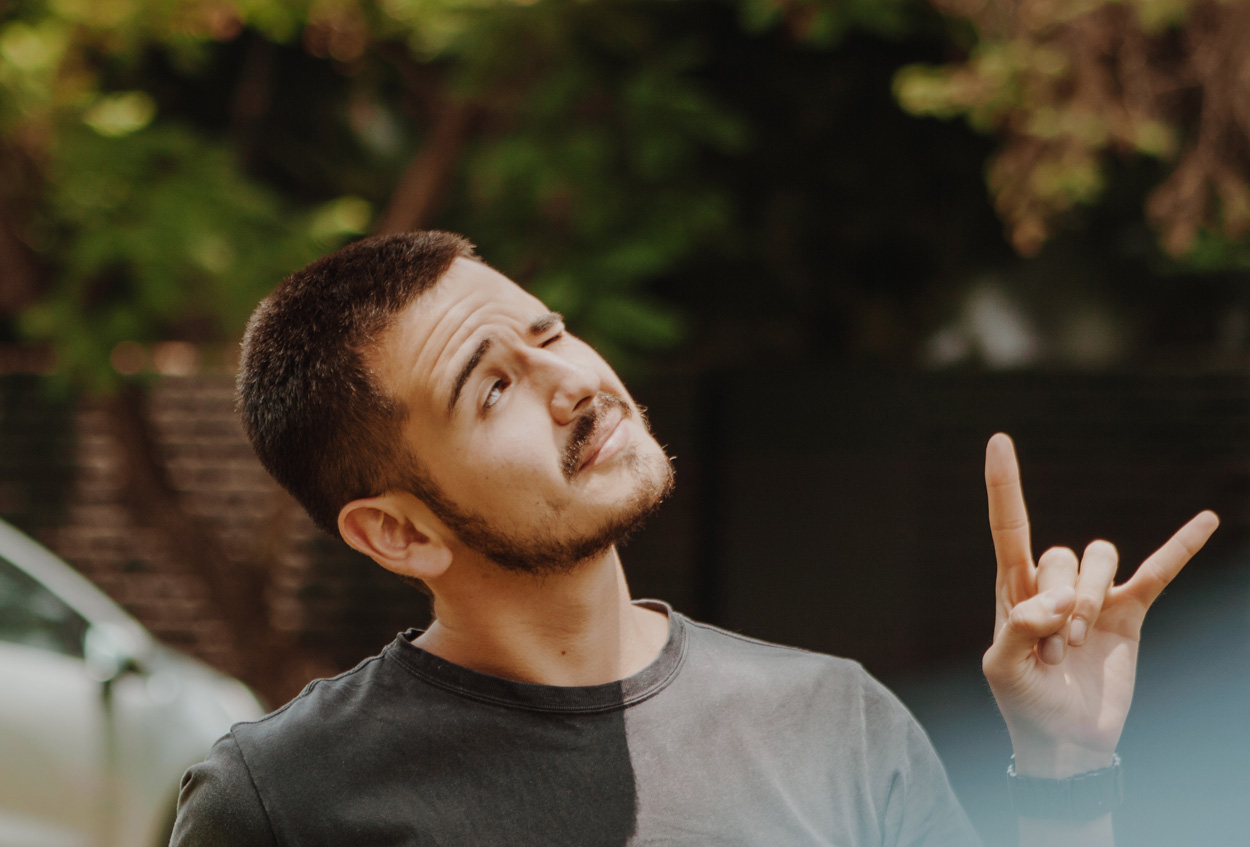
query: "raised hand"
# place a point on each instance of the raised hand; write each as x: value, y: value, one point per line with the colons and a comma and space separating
x: 1064, y: 658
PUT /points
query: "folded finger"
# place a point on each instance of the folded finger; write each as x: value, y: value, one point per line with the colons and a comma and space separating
x: 1056, y: 568
x: 1097, y: 573
x: 1028, y: 624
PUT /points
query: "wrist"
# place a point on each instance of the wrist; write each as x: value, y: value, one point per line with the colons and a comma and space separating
x: 1041, y: 832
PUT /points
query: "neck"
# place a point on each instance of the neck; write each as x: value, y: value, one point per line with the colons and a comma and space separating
x: 574, y: 628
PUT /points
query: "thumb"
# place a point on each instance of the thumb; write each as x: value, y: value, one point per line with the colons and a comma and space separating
x: 1029, y: 622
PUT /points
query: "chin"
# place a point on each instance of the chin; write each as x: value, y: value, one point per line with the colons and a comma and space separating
x: 549, y: 550
x: 653, y: 480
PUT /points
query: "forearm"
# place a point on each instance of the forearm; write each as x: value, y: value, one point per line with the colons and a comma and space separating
x: 1036, y: 832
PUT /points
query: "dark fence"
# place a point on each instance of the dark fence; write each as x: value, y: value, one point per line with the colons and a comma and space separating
x: 843, y: 512
x: 846, y: 512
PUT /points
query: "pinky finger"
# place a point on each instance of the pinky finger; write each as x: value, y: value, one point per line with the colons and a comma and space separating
x: 1164, y: 564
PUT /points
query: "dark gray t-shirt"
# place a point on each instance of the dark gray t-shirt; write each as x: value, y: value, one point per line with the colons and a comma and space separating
x: 722, y: 740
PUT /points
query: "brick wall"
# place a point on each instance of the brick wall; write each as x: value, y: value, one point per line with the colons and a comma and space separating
x: 60, y: 478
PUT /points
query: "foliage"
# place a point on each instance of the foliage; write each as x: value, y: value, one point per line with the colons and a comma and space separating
x: 1067, y: 85
x: 164, y: 162
x: 147, y: 229
x: 824, y: 23
x: 153, y: 216
x: 589, y: 184
x: 157, y: 235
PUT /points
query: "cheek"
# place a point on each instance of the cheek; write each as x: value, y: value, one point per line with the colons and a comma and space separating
x: 509, y: 459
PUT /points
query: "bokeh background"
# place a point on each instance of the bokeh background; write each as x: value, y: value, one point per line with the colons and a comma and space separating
x: 832, y: 244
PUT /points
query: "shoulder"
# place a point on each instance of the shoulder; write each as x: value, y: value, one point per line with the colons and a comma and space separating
x: 326, y: 707
x: 218, y: 804
x: 813, y: 707
x: 238, y: 793
x: 327, y: 714
x: 754, y: 661
x: 831, y: 692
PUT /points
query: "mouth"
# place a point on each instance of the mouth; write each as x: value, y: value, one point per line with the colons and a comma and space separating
x: 597, y: 435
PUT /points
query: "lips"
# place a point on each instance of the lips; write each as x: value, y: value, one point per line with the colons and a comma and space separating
x: 604, y: 429
x: 592, y: 431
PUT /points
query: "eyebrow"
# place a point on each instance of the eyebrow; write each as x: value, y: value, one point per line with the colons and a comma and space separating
x: 537, y: 327
x: 467, y: 371
x: 546, y: 322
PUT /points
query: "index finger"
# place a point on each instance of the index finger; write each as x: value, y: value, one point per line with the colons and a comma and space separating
x: 1009, y: 522
x: 1164, y: 564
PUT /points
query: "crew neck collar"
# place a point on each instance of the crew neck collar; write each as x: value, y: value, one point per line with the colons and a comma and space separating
x: 549, y: 698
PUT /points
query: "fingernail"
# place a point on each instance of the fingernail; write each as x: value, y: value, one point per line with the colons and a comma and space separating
x: 1076, y: 632
x: 1057, y: 599
x: 1051, y: 649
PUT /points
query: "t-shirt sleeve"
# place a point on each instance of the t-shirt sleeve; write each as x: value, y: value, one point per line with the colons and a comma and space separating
x: 218, y: 804
x: 920, y: 809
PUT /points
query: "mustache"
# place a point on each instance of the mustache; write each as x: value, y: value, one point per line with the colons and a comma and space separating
x: 584, y: 430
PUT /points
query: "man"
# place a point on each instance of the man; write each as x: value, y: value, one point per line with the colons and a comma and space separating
x: 446, y: 424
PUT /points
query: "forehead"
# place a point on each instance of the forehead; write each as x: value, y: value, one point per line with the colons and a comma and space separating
x: 417, y: 355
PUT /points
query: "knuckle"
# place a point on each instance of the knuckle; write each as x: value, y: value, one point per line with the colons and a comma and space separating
x: 1019, y: 618
x: 1086, y: 609
x: 1086, y: 601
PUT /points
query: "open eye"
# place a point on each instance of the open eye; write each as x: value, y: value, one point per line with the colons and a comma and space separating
x: 496, y: 391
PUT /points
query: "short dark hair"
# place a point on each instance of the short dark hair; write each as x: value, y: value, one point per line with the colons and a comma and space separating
x: 316, y: 419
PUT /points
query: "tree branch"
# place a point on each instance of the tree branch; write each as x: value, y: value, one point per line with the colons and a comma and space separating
x: 420, y: 190
x: 252, y: 96
x: 22, y: 277
x: 270, y: 661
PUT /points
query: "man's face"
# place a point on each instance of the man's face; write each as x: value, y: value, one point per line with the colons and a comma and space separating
x: 540, y: 457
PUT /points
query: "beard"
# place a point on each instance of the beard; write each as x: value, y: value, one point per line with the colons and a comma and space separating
x: 548, y: 551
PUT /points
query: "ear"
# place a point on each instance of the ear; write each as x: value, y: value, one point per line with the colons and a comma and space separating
x: 394, y: 530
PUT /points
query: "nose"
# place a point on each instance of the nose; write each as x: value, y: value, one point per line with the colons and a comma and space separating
x: 572, y: 385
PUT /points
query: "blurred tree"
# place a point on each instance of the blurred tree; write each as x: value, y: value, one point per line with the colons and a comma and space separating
x: 1067, y: 85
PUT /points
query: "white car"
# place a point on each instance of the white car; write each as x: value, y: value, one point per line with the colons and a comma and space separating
x: 97, y: 720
